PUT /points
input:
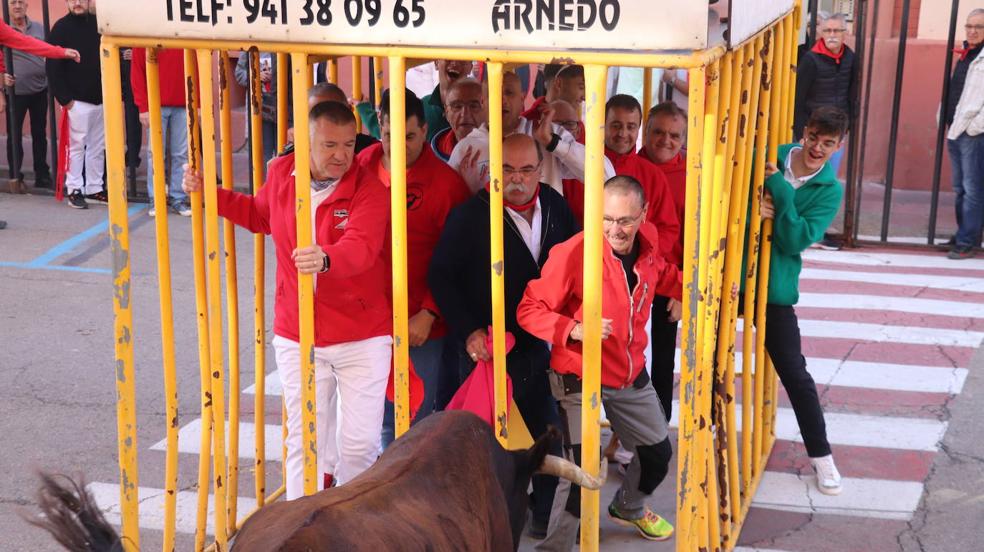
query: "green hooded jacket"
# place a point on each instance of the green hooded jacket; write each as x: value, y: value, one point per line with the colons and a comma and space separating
x: 802, y: 215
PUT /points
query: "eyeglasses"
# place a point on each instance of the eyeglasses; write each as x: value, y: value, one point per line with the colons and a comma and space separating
x: 461, y: 106
x: 974, y: 27
x: 833, y: 31
x: 525, y: 172
x: 624, y: 222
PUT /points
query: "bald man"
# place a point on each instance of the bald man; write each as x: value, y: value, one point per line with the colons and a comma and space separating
x: 535, y: 218
x: 563, y: 156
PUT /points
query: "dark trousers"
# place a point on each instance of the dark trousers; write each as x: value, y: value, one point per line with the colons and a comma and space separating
x: 663, y: 353
x: 131, y: 113
x: 37, y: 105
x: 528, y: 367
x: 783, y: 343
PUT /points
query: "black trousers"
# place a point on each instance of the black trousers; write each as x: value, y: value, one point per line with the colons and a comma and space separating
x: 131, y: 113
x: 784, y: 345
x: 663, y: 352
x: 528, y: 367
x: 37, y: 106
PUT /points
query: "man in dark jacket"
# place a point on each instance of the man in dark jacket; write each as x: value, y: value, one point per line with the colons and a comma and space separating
x: 78, y: 87
x: 536, y: 218
x: 826, y: 75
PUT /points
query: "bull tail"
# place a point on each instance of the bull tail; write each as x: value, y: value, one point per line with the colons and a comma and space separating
x: 70, y: 514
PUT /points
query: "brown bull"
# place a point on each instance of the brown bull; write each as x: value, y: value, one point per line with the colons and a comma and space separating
x: 445, y: 485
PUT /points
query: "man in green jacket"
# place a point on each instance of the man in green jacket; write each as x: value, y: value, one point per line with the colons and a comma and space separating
x: 802, y: 197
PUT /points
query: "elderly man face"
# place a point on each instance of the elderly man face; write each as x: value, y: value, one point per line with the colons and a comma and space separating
x: 832, y: 30
x: 625, y: 212
x: 975, y: 28
x: 520, y: 169
x: 664, y: 137
x: 18, y: 9
x: 464, y: 108
x: 566, y: 116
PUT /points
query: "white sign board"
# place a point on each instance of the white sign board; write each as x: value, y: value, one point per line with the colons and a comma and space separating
x: 493, y: 24
x: 750, y: 16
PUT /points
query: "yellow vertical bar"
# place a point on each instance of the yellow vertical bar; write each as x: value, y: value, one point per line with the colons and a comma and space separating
x: 357, y: 87
x: 497, y: 268
x: 398, y: 213
x: 708, y: 223
x: 282, y: 98
x: 212, y: 252
x: 596, y: 77
x: 795, y: 22
x: 647, y: 91
x: 688, y: 453
x: 167, y: 311
x: 377, y: 78
x: 232, y: 290
x: 305, y: 287
x: 259, y: 285
x: 192, y: 103
x: 332, y: 72
x: 751, y: 397
x: 750, y: 65
x: 713, y: 288
x: 778, y: 77
x: 119, y: 238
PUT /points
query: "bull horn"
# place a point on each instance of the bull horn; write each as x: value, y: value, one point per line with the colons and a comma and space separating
x: 555, y: 465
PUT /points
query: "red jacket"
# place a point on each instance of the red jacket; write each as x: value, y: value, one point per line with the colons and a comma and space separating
x: 17, y: 40
x: 675, y: 171
x: 170, y: 64
x: 350, y: 300
x: 551, y: 306
x: 433, y: 189
x: 662, y: 210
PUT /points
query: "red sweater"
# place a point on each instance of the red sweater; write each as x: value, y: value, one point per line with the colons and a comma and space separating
x: 675, y: 171
x: 662, y: 211
x: 433, y: 189
x: 170, y: 64
x: 350, y: 301
x: 16, y: 40
x: 551, y: 306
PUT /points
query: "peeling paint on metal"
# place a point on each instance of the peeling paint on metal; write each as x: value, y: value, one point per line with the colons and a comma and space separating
x: 497, y: 267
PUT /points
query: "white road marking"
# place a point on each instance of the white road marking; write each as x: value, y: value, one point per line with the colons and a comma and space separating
x: 872, y: 498
x: 957, y: 283
x: 963, y: 309
x: 878, y: 258
x: 189, y: 440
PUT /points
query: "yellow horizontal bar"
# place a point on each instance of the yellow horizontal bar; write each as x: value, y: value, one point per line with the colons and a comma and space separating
x: 697, y: 58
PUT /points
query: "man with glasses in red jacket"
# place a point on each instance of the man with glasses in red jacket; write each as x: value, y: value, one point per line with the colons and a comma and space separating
x: 633, y: 272
x: 352, y: 318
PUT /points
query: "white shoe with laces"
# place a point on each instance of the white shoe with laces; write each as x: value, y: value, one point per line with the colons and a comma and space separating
x: 828, y: 478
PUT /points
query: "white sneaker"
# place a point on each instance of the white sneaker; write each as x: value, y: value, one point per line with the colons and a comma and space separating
x: 828, y: 478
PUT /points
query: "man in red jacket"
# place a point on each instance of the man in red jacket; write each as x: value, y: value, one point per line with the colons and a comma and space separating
x: 633, y: 272
x: 433, y: 189
x: 174, y: 119
x: 350, y: 214
x: 666, y: 132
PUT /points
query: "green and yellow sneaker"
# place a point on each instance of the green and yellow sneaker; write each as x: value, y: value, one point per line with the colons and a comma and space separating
x: 651, y: 526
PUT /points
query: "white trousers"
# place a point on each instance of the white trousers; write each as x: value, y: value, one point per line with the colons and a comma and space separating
x: 357, y: 372
x: 86, y: 148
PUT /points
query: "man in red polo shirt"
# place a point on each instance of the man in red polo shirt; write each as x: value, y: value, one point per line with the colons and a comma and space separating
x: 433, y: 189
x: 465, y: 112
x: 350, y: 215
x: 666, y: 133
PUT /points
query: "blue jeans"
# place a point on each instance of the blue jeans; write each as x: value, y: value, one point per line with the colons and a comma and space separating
x: 427, y: 361
x: 967, y: 157
x: 174, y: 132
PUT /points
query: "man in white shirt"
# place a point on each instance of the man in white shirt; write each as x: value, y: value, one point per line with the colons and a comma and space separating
x: 563, y: 156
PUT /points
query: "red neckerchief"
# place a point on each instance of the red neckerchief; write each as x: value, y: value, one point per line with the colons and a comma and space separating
x: 821, y: 48
x: 525, y: 206
x: 963, y: 52
x: 447, y: 142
